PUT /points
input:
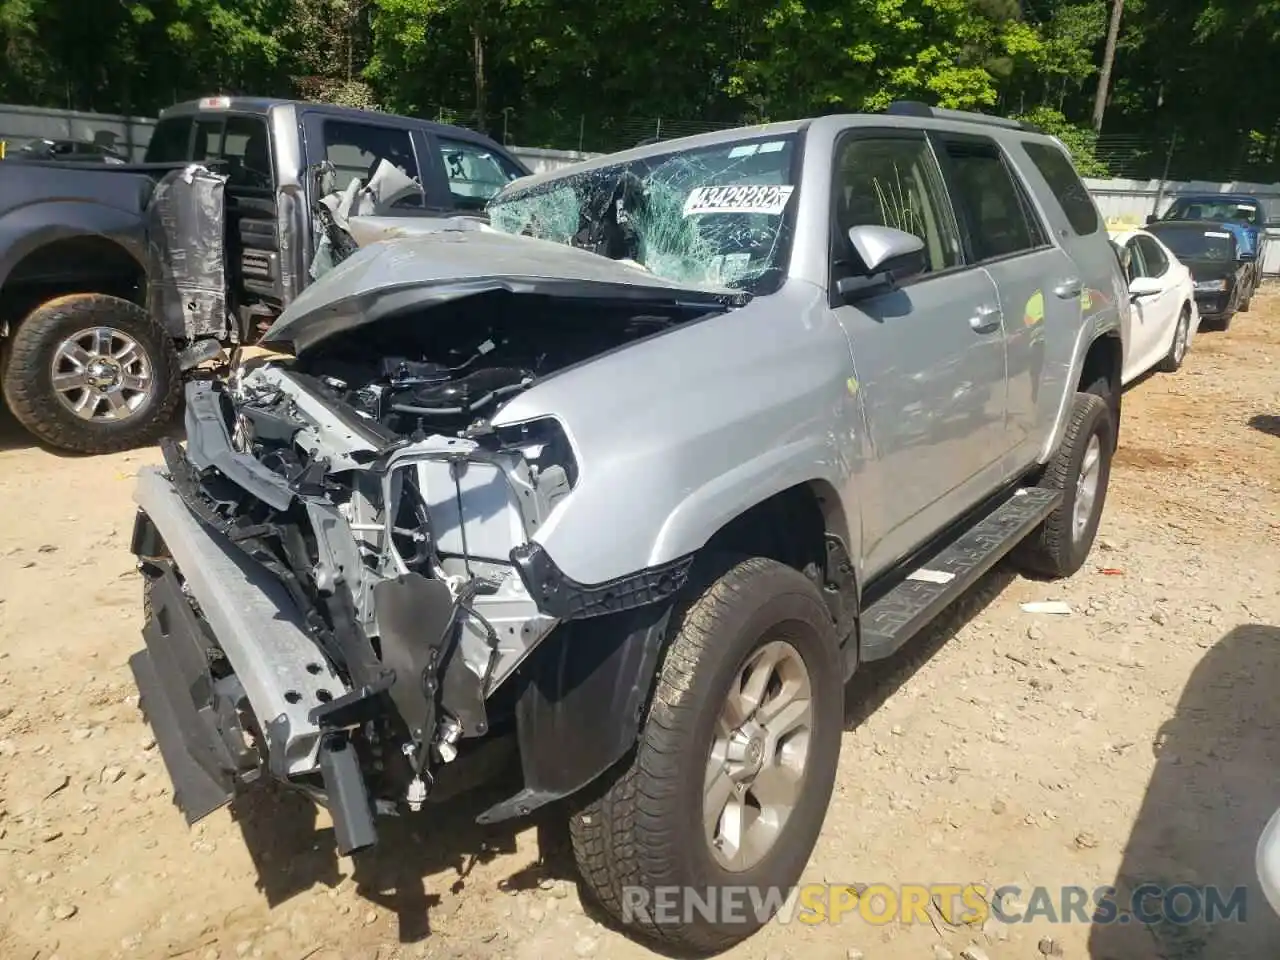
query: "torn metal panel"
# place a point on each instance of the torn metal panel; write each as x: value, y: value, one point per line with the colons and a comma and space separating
x: 388, y: 186
x: 187, y: 253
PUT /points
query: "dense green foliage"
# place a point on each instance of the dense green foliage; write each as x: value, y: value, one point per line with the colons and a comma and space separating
x: 571, y: 73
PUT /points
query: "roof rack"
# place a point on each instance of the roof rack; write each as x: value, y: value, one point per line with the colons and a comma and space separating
x: 915, y: 108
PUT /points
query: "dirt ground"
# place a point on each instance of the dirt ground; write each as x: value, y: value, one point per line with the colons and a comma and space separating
x: 1131, y: 741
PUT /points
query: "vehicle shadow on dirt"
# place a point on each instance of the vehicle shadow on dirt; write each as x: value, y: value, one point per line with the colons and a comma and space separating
x: 418, y: 858
x: 1215, y: 785
x: 1266, y: 423
x: 874, y: 683
x: 14, y: 436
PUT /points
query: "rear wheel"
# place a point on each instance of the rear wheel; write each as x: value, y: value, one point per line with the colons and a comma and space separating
x: 1081, y: 469
x: 723, y: 800
x: 92, y: 374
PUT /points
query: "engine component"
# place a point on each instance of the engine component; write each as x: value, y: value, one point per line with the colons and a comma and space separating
x: 466, y: 395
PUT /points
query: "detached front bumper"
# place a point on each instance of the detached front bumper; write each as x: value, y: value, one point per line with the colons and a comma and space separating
x: 194, y: 717
x: 273, y: 676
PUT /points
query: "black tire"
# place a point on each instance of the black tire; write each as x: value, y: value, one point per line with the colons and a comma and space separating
x: 1173, y: 359
x: 1053, y: 550
x: 28, y: 374
x: 1244, y: 305
x: 644, y: 832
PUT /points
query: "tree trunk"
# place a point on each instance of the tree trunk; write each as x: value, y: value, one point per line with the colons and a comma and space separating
x: 1108, y: 58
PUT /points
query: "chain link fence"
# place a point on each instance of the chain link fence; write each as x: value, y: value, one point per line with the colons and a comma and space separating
x: 1179, y: 156
x: 1182, y: 156
x: 560, y: 131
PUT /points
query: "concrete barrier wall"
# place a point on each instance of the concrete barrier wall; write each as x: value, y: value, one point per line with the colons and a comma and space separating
x: 129, y: 135
x: 539, y: 160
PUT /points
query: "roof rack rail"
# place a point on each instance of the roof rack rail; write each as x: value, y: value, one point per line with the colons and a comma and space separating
x: 915, y: 108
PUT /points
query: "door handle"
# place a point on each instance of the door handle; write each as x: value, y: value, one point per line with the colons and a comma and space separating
x: 986, y: 319
x: 1068, y: 289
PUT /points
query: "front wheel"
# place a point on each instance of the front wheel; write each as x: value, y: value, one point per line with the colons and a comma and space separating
x: 710, y: 824
x: 1081, y: 469
x: 1178, y: 349
x: 91, y: 373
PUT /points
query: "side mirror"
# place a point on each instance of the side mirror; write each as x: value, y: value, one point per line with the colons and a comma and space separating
x: 1151, y: 218
x: 1143, y: 287
x: 889, y: 256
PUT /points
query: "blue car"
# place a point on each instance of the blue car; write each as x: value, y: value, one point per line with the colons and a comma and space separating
x: 1242, y: 214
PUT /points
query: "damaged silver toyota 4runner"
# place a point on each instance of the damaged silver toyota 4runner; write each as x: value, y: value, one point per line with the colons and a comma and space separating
x: 632, y: 479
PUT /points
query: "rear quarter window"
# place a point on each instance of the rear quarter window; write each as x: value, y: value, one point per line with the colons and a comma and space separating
x: 170, y: 141
x: 1068, y: 189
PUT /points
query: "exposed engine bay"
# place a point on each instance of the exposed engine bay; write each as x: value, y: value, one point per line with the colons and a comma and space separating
x: 451, y: 374
x: 365, y: 478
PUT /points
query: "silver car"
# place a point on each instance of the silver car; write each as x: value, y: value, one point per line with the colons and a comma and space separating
x: 630, y: 480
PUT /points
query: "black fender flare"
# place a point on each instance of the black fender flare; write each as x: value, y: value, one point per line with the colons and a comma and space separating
x: 585, y: 692
x: 26, y: 229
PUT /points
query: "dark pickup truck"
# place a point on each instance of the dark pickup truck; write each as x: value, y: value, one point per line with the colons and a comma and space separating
x: 115, y: 280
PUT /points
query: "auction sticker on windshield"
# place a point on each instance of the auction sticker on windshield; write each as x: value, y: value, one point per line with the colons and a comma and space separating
x: 740, y: 198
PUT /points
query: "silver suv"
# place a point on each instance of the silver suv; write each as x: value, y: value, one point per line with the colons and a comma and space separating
x: 630, y: 479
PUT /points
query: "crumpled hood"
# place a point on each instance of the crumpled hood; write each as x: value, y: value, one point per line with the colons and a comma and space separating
x: 462, y: 259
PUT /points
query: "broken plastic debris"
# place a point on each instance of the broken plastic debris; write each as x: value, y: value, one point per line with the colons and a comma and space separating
x: 1111, y: 572
x: 1046, y: 606
x: 931, y: 576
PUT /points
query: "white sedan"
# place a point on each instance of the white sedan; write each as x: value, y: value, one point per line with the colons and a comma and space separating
x: 1163, y: 317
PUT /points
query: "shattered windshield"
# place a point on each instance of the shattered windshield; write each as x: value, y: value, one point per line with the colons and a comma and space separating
x: 718, y: 215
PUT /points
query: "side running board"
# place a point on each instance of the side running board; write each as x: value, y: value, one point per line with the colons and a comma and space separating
x: 901, y: 613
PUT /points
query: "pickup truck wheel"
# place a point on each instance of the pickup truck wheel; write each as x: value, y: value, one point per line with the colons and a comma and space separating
x: 722, y: 801
x: 1081, y: 470
x: 92, y: 374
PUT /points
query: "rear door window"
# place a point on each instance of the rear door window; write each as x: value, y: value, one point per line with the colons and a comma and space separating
x: 241, y: 141
x: 169, y: 141
x: 1068, y: 189
x: 208, y: 144
x: 247, y: 150
x: 990, y: 199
